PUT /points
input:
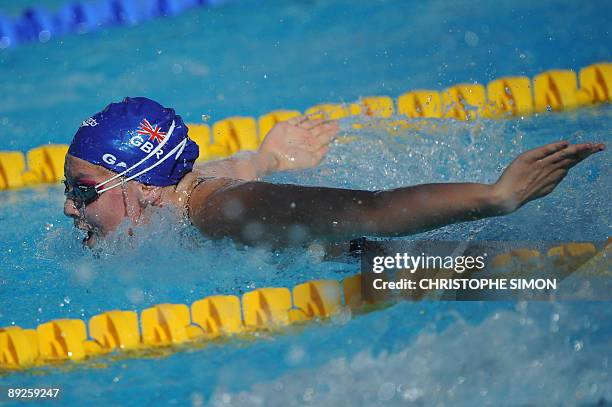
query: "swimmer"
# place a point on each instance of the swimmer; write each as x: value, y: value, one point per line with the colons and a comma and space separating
x: 136, y: 154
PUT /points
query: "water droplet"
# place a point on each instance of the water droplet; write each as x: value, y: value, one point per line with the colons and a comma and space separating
x: 412, y: 394
x: 308, y: 394
x: 471, y: 38
x: 197, y: 399
x: 177, y: 69
x: 44, y: 36
x: 386, y: 391
x: 295, y: 355
x: 578, y: 345
x: 5, y: 42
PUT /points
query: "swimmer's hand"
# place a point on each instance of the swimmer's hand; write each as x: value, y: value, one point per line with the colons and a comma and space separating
x: 296, y: 144
x: 537, y: 172
x: 299, y: 143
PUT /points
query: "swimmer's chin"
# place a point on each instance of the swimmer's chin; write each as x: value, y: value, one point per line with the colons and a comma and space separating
x: 90, y: 240
x: 95, y: 234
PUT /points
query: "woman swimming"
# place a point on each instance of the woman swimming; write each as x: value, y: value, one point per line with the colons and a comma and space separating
x: 136, y: 154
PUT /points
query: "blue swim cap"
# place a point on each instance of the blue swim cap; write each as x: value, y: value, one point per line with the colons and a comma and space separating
x: 124, y: 134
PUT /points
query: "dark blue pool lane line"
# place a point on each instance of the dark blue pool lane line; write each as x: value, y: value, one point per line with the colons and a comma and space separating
x: 39, y: 24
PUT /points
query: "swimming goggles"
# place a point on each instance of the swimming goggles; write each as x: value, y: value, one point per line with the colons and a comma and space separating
x: 84, y: 194
x: 81, y: 194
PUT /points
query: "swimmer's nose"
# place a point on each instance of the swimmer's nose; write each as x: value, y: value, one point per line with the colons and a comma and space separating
x: 70, y: 209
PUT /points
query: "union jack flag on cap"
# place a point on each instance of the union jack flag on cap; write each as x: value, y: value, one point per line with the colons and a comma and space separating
x: 154, y: 132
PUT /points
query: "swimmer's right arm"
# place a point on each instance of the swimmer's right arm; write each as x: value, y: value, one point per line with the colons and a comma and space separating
x: 298, y: 143
x: 277, y: 215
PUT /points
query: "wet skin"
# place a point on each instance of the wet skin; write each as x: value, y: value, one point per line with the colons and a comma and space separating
x: 279, y: 215
x: 106, y: 213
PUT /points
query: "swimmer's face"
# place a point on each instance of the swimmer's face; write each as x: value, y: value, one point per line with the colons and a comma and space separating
x: 107, y: 212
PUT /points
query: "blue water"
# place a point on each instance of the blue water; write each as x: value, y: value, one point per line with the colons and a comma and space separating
x: 252, y: 57
x: 255, y: 56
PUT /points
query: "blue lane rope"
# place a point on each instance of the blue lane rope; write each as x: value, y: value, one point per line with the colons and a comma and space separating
x: 39, y: 24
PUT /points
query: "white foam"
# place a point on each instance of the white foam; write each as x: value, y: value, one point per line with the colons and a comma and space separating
x: 511, y: 358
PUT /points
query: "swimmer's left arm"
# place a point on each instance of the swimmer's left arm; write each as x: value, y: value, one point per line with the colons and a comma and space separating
x: 279, y: 214
x: 276, y: 214
x: 298, y: 143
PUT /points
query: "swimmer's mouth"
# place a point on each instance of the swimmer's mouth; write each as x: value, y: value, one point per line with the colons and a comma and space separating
x: 90, y: 239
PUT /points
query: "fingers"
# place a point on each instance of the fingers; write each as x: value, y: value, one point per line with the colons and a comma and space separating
x: 305, y: 122
x: 568, y: 163
x: 576, y: 152
x: 544, y: 151
x: 322, y: 132
x: 297, y: 120
x: 325, y: 132
x: 311, y: 123
x: 565, y: 159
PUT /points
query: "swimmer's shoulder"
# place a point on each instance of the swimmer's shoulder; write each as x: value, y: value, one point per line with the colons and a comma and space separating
x: 199, y: 187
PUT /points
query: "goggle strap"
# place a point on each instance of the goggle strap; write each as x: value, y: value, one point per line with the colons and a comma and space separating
x: 179, y: 147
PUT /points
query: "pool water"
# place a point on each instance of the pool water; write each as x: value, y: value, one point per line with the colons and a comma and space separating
x: 249, y: 58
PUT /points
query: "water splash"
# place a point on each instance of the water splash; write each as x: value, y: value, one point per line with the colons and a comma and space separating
x: 558, y: 360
